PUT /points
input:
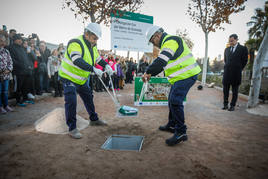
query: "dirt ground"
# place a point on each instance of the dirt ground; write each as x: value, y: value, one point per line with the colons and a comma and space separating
x: 221, y: 144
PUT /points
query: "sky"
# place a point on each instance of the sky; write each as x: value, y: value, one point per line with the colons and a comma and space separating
x: 56, y: 25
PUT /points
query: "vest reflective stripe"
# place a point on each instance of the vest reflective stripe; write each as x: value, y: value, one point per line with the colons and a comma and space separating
x: 75, y: 52
x: 190, y: 67
x: 169, y: 51
x: 70, y: 63
x: 75, y: 57
x: 72, y: 75
x: 180, y: 60
x: 164, y: 57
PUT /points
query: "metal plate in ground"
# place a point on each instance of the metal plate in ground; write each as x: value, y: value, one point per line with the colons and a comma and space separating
x: 123, y: 142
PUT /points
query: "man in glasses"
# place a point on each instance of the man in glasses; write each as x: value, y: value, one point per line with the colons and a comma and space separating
x: 181, y: 69
x: 78, y: 62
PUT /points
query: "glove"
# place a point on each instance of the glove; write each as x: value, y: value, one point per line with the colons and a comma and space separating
x: 109, y: 70
x: 97, y: 71
x: 146, y: 77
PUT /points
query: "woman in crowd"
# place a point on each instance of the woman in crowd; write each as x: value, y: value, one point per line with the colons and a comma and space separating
x: 120, y: 75
x: 110, y: 60
x: 53, y: 66
x: 124, y: 69
x: 6, y: 67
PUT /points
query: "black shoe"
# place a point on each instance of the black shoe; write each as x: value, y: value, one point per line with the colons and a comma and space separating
x: 232, y: 108
x: 167, y: 128
x: 176, y: 138
x: 225, y: 107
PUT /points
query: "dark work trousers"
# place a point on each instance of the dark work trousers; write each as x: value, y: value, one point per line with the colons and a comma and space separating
x: 57, y: 84
x: 21, y: 83
x: 226, y: 88
x: 85, y: 92
x: 177, y: 94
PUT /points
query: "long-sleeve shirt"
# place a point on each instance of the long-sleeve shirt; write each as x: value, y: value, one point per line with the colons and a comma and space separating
x: 6, y: 64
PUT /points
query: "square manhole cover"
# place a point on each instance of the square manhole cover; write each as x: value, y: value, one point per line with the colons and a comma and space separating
x: 123, y: 142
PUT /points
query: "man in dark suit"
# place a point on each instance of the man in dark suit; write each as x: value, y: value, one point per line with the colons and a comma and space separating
x: 235, y: 59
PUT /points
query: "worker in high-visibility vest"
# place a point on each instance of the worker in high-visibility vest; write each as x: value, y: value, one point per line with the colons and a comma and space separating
x: 78, y: 62
x: 181, y: 69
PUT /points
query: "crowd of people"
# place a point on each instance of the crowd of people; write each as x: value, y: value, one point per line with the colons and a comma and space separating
x: 124, y: 71
x: 28, y: 68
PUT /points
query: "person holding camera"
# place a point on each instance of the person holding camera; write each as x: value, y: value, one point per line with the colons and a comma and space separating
x: 22, y: 68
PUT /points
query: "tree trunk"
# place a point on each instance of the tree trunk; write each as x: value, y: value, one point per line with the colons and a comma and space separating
x: 92, y: 18
x: 251, y: 60
x: 257, y: 73
x: 205, y: 62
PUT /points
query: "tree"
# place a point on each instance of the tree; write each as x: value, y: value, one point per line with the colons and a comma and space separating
x: 251, y: 44
x: 259, y: 23
x: 100, y: 10
x: 210, y: 14
x: 257, y: 73
x: 184, y: 35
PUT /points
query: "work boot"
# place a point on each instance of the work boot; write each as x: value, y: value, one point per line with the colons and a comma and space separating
x: 98, y: 123
x: 75, y: 134
x: 232, y: 108
x: 176, y: 138
x: 167, y: 128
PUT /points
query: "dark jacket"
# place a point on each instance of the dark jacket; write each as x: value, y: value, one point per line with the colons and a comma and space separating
x: 234, y: 64
x: 130, y: 66
x: 21, y: 63
x: 42, y: 67
x: 142, y: 66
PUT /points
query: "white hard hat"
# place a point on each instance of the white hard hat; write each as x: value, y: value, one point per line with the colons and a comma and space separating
x: 150, y: 32
x: 95, y: 29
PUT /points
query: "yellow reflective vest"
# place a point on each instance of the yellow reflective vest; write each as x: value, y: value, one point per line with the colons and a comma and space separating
x: 183, y: 65
x: 72, y: 72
